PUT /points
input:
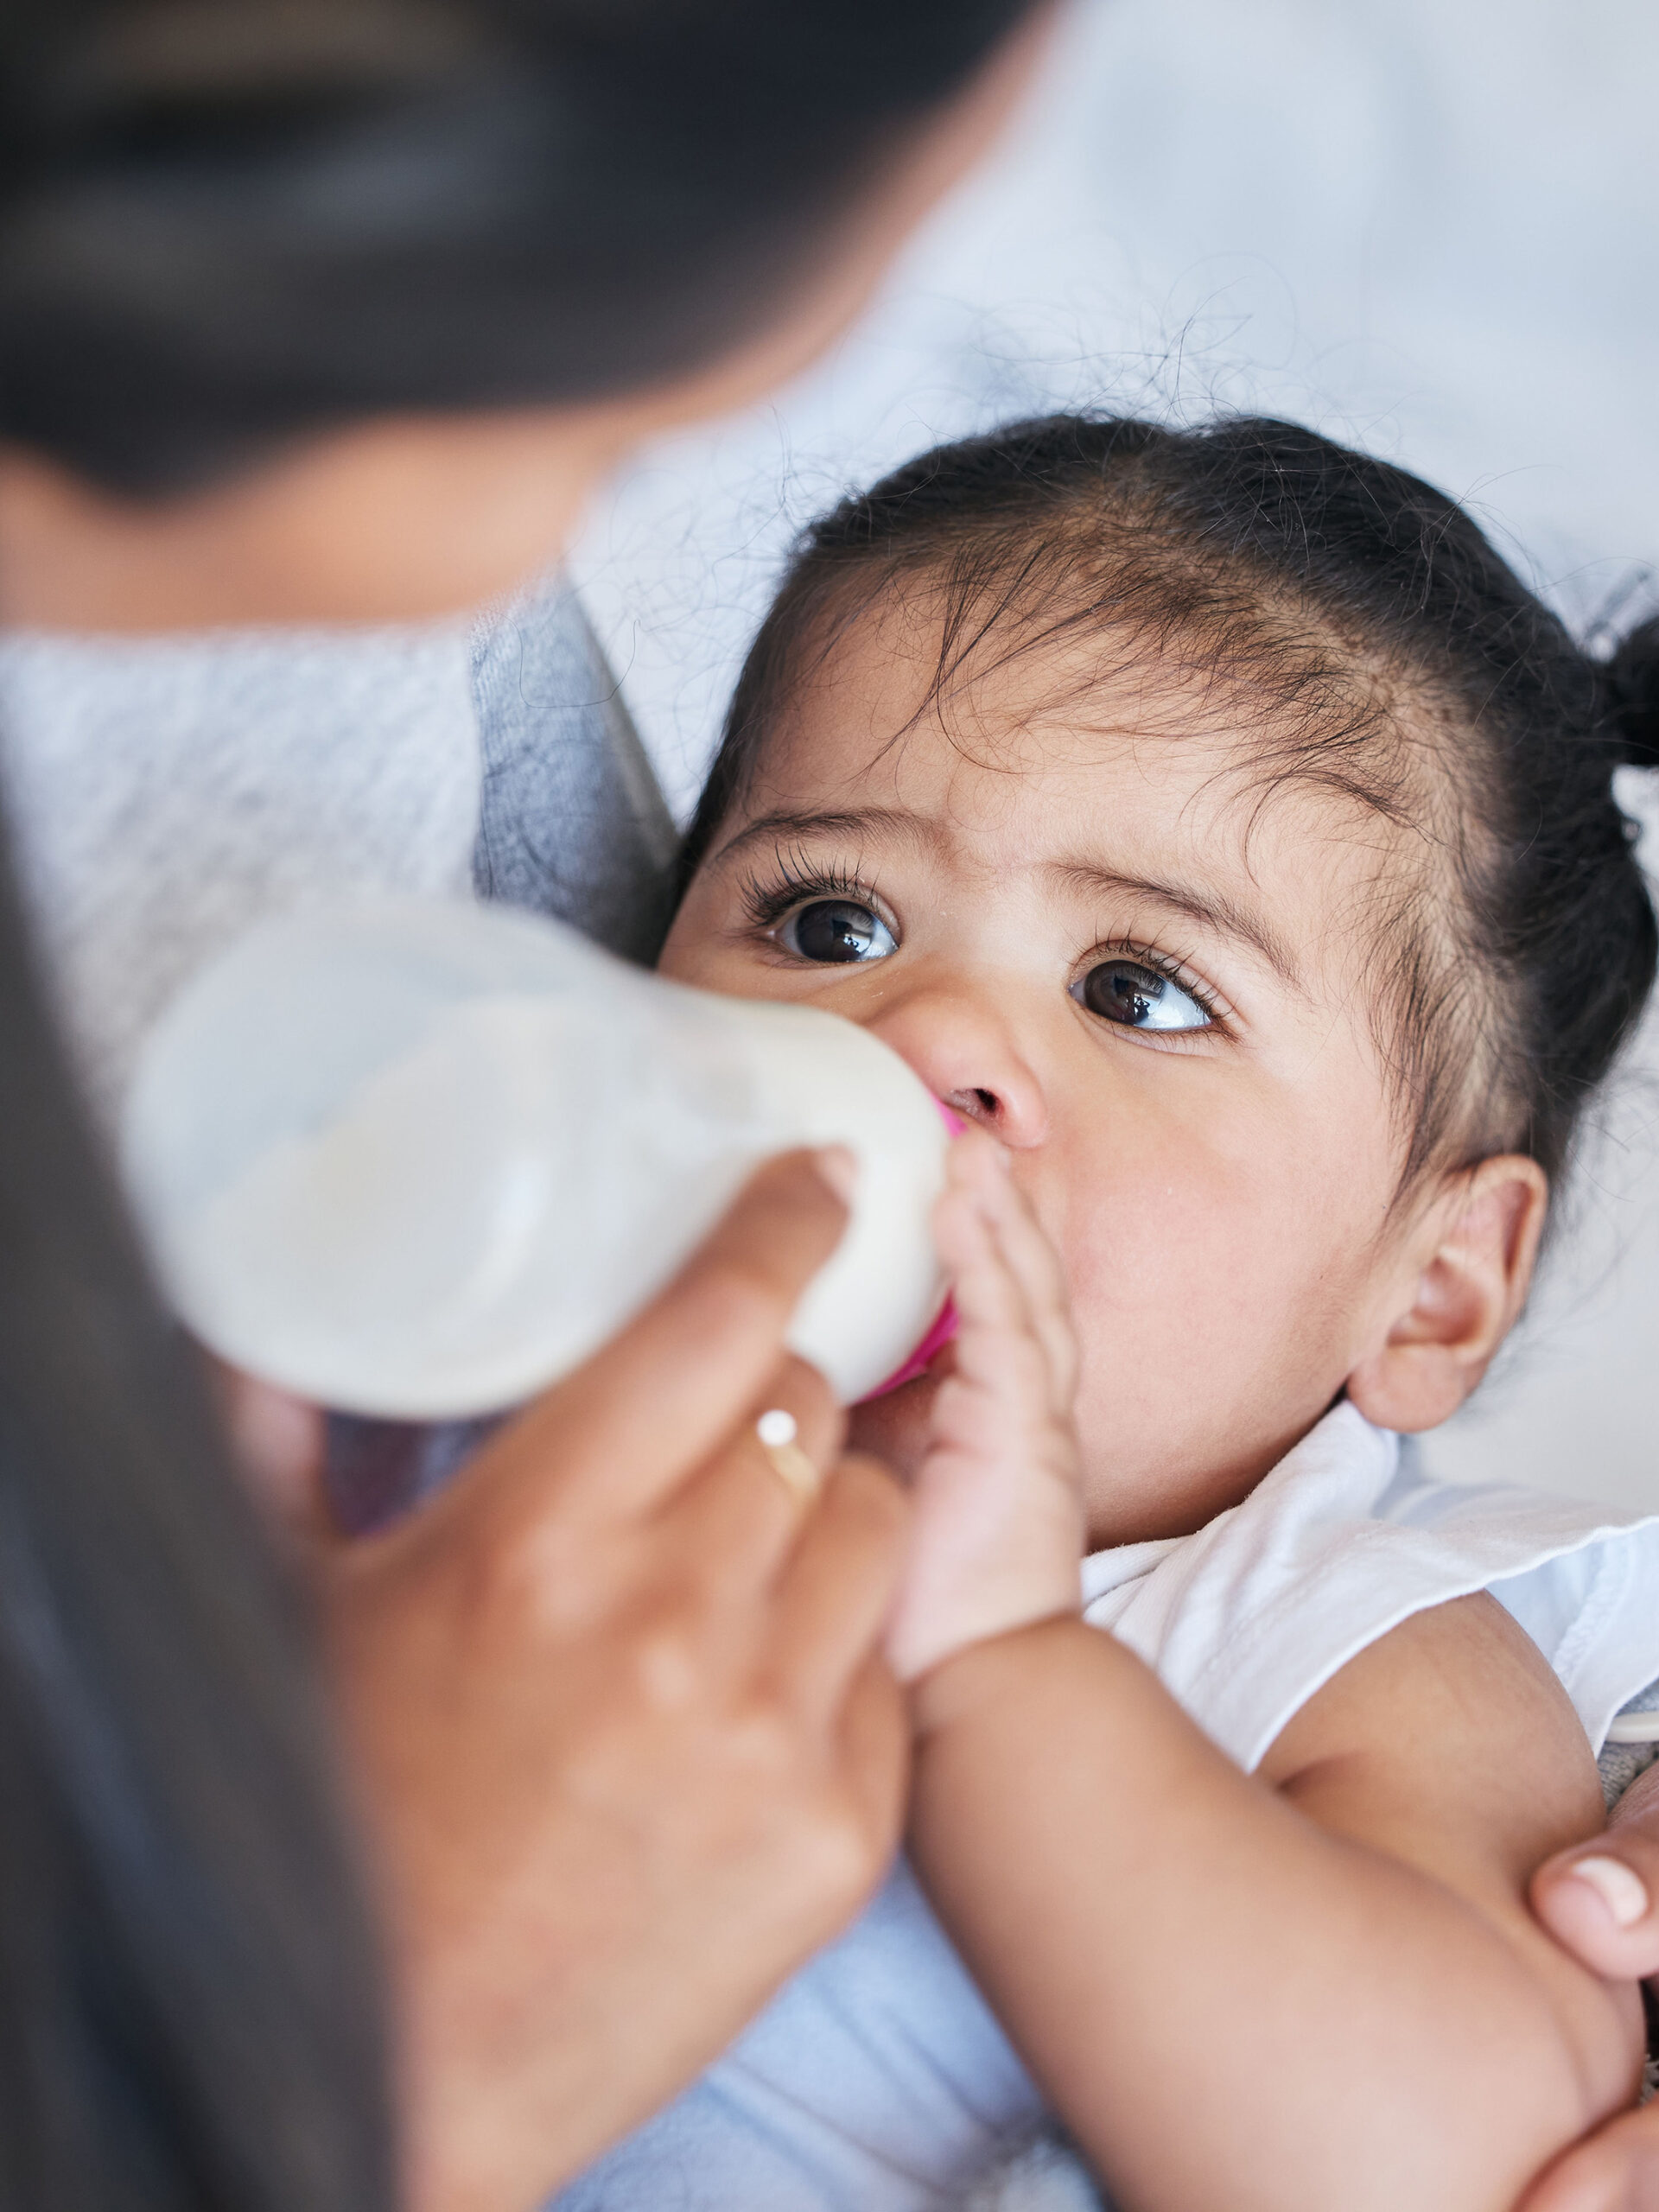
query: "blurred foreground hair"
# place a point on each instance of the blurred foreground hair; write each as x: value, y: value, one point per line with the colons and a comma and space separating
x: 189, y: 1996
x: 225, y: 223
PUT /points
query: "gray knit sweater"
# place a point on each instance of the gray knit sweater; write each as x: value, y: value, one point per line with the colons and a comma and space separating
x: 166, y: 793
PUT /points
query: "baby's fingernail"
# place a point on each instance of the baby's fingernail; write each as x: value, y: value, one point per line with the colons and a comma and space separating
x: 839, y: 1168
x: 1624, y: 1893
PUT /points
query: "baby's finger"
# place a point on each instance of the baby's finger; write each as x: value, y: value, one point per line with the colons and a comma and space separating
x: 988, y: 1297
x: 1029, y: 1256
x: 1002, y: 1385
x: 1036, y: 1266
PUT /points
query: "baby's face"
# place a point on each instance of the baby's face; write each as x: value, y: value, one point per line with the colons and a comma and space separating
x: 1086, y: 926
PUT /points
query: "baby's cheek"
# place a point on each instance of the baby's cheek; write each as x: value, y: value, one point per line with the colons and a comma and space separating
x: 694, y: 955
x: 1205, y: 1344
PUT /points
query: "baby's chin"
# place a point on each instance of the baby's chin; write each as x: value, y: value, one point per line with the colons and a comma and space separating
x: 894, y: 1427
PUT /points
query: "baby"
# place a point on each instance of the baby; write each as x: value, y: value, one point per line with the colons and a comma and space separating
x: 1214, y: 820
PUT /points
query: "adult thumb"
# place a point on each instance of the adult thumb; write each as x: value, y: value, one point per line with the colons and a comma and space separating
x: 1600, y: 1900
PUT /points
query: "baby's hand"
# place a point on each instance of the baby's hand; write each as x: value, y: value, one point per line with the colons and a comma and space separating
x: 999, y: 1524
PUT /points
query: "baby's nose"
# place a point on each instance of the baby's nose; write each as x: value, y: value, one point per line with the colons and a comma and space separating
x: 964, y: 1048
x: 976, y: 1105
x: 1011, y: 1111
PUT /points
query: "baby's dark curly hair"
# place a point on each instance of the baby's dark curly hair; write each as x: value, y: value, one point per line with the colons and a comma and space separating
x: 1380, y: 648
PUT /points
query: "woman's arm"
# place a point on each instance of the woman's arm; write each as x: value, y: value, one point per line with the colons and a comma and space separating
x: 1317, y: 1987
x: 625, y: 1747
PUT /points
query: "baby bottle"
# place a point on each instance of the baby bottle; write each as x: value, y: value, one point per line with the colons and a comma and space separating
x: 418, y: 1160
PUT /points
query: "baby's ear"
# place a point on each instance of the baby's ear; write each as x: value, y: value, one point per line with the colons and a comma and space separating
x: 1466, y: 1267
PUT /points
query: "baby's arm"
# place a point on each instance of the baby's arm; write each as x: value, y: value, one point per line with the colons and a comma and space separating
x: 1316, y: 1987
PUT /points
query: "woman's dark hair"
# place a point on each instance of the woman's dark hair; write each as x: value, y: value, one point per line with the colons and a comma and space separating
x: 224, y: 223
x: 1378, y: 648
x: 189, y: 1996
x: 188, y: 1993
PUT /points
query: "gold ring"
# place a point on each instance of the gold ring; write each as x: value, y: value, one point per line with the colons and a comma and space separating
x: 776, y: 1432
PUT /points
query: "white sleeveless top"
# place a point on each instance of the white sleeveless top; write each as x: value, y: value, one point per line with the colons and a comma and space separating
x: 878, y: 2080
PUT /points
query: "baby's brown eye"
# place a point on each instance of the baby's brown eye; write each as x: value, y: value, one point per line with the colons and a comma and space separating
x: 1138, y: 998
x: 836, y: 930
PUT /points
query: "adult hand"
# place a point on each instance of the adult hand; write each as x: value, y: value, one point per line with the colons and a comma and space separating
x: 1601, y: 1901
x: 624, y: 1740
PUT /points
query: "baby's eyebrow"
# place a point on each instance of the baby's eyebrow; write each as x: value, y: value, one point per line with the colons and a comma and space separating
x: 891, y: 822
x: 1212, y: 910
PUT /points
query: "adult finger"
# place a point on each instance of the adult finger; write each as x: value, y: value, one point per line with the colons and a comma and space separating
x: 1616, y: 2170
x: 1601, y: 1899
x: 629, y: 1426
x: 874, y: 1723
x: 834, y: 1595
x: 733, y: 1523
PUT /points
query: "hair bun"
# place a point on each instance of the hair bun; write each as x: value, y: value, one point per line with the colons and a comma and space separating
x: 1632, y: 680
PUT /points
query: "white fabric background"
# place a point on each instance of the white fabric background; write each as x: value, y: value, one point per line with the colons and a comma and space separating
x: 1425, y: 225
